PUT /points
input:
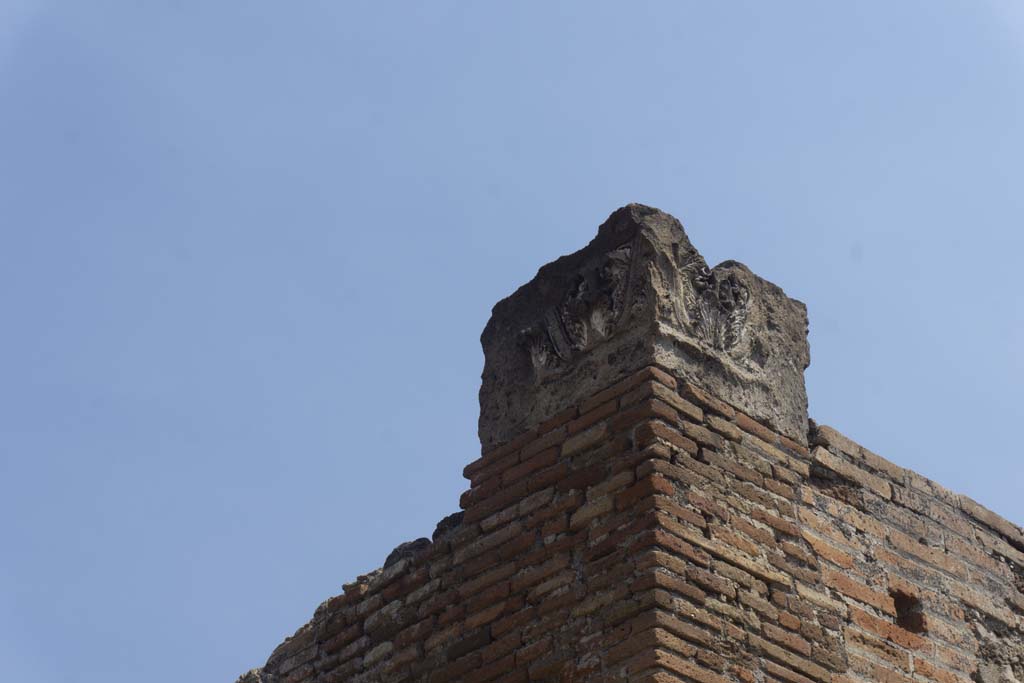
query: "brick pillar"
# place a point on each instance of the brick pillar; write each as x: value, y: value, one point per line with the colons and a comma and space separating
x: 653, y: 505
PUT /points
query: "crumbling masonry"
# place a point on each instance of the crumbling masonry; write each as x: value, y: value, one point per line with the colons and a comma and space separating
x: 653, y: 504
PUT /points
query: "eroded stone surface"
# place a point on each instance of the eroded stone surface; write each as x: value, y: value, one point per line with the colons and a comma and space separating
x: 641, y: 293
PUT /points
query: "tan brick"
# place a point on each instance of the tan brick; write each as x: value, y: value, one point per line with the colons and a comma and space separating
x: 589, y: 511
x: 858, y: 591
x: 701, y: 397
x: 784, y: 674
x: 887, y: 630
x: 724, y: 427
x: 931, y: 672
x: 829, y: 552
x: 789, y: 640
x: 702, y: 435
x: 485, y: 616
x: 852, y: 472
x: 878, y: 648
x: 584, y: 440
x: 658, y: 390
x: 751, y: 426
x: 592, y: 416
x: 791, y: 660
x: 537, y: 461
x: 650, y: 432
x: 875, y: 672
x: 992, y: 520
x: 621, y: 387
x: 936, y: 557
x: 687, y: 668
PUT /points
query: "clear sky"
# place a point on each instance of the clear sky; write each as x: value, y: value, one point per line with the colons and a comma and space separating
x: 247, y: 249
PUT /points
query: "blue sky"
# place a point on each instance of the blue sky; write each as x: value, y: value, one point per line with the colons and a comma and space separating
x: 247, y: 250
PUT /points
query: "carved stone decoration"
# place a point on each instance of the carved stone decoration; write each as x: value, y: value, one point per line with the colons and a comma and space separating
x: 712, y: 308
x: 574, y: 312
x: 588, y: 314
x: 641, y: 294
x: 722, y: 311
x: 536, y: 341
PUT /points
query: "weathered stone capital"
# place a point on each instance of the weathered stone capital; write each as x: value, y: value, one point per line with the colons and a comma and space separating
x: 640, y: 294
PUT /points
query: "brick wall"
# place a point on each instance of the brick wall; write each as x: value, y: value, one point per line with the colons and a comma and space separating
x: 655, y: 533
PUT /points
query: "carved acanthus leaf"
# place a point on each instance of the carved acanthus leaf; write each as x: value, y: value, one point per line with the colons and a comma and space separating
x: 713, y: 307
x: 590, y: 311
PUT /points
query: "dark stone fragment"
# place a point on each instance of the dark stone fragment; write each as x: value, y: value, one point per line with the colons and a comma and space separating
x: 447, y: 525
x: 405, y: 550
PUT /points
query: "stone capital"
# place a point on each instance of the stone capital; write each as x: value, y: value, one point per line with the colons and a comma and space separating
x: 641, y: 294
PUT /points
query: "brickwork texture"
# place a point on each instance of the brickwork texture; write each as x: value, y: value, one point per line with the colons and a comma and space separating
x: 653, y: 532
